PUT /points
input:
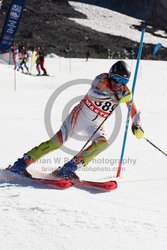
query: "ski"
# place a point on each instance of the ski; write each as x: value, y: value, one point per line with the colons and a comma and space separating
x: 26, y: 73
x: 107, y: 186
x: 45, y: 181
x: 61, y: 183
x: 41, y: 75
x: 31, y: 74
x: 67, y: 183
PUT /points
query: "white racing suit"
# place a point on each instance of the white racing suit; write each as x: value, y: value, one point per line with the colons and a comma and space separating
x: 86, y: 117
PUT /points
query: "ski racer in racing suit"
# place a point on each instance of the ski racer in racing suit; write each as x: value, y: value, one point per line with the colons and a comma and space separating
x: 107, y: 91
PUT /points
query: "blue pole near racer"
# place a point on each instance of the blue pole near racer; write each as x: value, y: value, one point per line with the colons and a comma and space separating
x: 130, y: 104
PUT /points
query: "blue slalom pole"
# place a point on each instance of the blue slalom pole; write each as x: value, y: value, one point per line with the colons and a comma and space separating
x: 130, y: 104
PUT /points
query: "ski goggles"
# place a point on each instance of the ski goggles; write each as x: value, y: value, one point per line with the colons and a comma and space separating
x: 119, y: 79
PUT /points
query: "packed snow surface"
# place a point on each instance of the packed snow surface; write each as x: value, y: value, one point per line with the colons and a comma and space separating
x: 131, y: 217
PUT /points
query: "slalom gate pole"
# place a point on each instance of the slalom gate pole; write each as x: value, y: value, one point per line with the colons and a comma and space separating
x: 155, y: 146
x: 130, y: 104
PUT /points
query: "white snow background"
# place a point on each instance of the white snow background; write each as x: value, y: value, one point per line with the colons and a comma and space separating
x: 134, y: 216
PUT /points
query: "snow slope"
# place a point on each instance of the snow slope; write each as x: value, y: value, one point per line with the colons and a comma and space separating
x: 131, y: 217
x: 114, y: 23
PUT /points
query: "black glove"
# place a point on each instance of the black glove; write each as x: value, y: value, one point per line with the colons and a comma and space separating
x: 137, y: 131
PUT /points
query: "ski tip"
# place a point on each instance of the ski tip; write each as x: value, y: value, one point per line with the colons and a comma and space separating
x: 111, y: 185
x: 105, y: 186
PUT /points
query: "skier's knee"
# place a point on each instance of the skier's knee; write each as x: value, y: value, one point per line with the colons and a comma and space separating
x: 100, y: 139
x: 57, y: 139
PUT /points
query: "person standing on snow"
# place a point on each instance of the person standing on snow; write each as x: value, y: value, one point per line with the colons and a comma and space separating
x: 24, y: 59
x: 106, y: 92
x: 0, y: 4
x: 40, y: 61
x: 87, y: 55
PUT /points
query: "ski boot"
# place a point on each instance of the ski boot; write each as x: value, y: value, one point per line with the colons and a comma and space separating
x: 19, y: 167
x: 67, y: 171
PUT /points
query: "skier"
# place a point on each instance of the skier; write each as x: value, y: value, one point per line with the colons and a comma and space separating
x: 40, y: 61
x: 0, y: 4
x: 23, y: 56
x: 17, y: 59
x: 87, y: 55
x: 107, y: 91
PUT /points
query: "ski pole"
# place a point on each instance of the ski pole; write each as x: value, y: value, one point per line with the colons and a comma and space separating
x: 155, y: 146
x: 130, y: 104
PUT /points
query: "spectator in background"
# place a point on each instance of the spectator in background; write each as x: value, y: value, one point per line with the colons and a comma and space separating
x: 23, y: 56
x: 132, y: 53
x: 0, y: 4
x: 16, y: 58
x: 40, y: 61
x: 87, y: 55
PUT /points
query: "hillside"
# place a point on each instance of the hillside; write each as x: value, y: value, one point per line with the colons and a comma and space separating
x: 151, y: 11
x: 48, y: 25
